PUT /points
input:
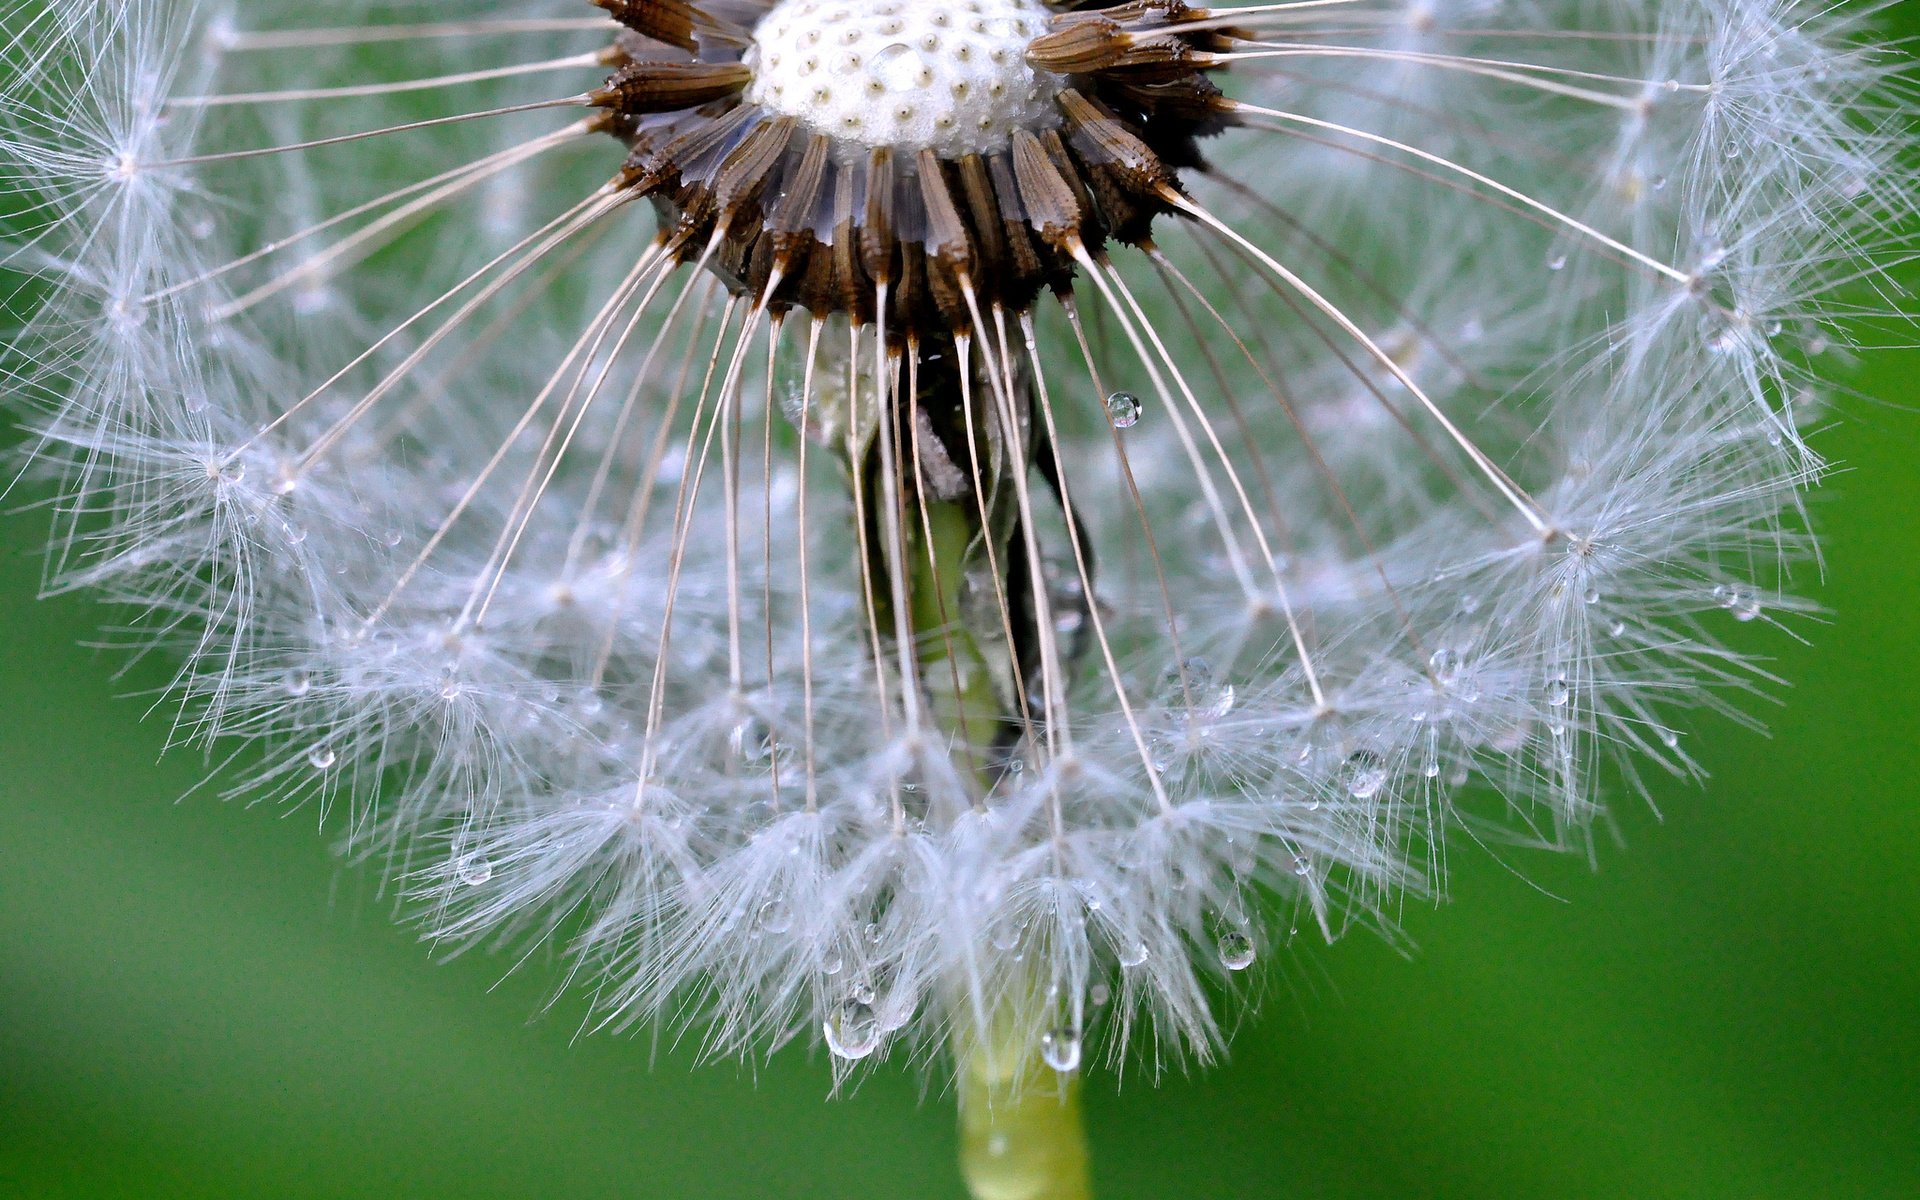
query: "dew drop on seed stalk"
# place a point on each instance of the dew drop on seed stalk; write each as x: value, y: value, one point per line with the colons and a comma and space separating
x: 1124, y: 409
x: 775, y: 916
x: 1366, y: 775
x: 1060, y: 1048
x: 1236, y: 950
x: 474, y: 868
x: 852, y: 1031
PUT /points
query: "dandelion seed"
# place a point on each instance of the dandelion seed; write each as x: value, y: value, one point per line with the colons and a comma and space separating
x: 894, y: 513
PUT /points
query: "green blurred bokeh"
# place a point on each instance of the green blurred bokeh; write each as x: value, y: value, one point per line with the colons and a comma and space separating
x: 196, y: 1000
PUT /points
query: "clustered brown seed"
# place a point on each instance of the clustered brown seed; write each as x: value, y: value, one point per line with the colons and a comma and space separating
x: 794, y: 218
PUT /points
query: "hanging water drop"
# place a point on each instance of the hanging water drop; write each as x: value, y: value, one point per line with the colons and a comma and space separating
x: 322, y: 757
x: 1558, y: 693
x: 1060, y: 1048
x: 1123, y: 408
x: 852, y: 1031
x: 1366, y: 775
x: 1236, y: 950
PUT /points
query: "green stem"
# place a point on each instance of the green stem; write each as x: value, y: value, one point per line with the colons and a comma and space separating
x: 1022, y: 1135
x: 1021, y: 1132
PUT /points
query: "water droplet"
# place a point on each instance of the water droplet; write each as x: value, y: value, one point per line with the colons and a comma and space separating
x: 1742, y: 603
x: 1099, y: 994
x: 1060, y: 1048
x: 1558, y: 693
x: 474, y: 868
x: 1557, y: 263
x: 1445, y: 664
x: 322, y: 757
x: 1124, y: 409
x: 875, y: 933
x: 832, y: 962
x: 298, y: 683
x: 852, y: 1031
x: 898, y: 66
x: 1617, y: 629
x: 1366, y: 775
x: 1669, y: 738
x: 1591, y: 595
x: 1302, y: 866
x: 750, y: 740
x: 1133, y: 955
x: 775, y: 916
x: 1236, y: 950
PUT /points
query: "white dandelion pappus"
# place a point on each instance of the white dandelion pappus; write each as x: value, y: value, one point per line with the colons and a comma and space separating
x: 1041, y: 499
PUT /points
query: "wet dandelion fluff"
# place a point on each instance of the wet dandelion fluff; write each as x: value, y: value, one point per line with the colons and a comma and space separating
x: 883, y: 523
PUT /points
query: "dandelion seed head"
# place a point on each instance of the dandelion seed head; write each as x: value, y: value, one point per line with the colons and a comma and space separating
x: 872, y: 524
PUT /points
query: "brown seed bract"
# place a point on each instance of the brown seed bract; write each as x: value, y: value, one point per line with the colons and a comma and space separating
x: 793, y: 217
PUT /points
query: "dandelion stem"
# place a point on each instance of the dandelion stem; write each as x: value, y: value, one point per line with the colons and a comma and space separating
x: 1022, y: 1132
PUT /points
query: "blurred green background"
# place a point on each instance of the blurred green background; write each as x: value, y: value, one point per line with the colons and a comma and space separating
x: 196, y: 1000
